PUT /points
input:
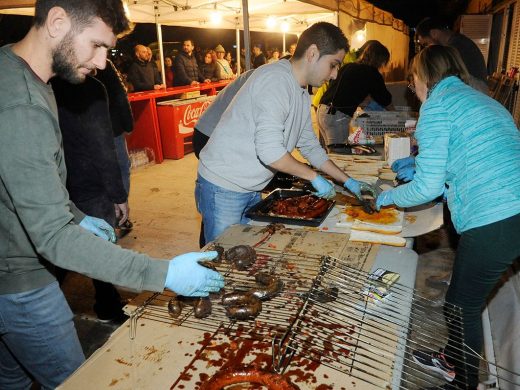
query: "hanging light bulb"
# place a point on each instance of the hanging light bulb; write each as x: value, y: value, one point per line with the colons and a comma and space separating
x: 284, y: 26
x: 271, y: 22
x: 360, y: 36
x: 215, y: 17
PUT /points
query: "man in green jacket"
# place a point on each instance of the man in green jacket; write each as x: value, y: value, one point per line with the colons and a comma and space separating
x: 39, y: 226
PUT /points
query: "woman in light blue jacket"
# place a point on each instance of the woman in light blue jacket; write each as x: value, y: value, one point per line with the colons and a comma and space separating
x: 469, y: 146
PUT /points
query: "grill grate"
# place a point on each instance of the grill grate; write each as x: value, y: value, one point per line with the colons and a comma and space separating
x: 369, y: 341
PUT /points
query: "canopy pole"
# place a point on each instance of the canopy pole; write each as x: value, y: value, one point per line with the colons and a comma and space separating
x: 247, y: 37
x: 161, y: 53
x: 283, y: 44
x: 237, y: 37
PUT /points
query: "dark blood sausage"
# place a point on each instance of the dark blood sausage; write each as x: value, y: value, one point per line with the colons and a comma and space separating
x: 271, y: 286
x: 232, y: 375
x: 242, y: 256
x: 202, y: 308
x: 241, y: 305
x: 174, y: 307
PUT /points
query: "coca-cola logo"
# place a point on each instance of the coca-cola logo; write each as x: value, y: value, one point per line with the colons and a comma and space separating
x: 192, y: 114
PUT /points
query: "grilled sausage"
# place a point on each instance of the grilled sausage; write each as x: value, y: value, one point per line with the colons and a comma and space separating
x: 174, y: 307
x: 253, y: 375
x: 241, y: 305
x: 202, y: 308
x: 271, y: 286
x: 245, y: 312
x: 242, y: 256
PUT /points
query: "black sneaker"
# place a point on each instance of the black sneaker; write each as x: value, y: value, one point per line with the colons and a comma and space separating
x: 124, y: 229
x: 114, y: 315
x: 435, y: 361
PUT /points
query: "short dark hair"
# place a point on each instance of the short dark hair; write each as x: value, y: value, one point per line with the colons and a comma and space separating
x: 427, y: 24
x: 328, y: 38
x: 82, y: 13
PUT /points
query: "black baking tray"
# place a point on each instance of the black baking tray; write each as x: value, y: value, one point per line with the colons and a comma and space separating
x: 259, y: 212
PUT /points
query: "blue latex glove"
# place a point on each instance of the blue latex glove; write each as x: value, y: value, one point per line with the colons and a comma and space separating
x: 403, y: 163
x: 358, y: 187
x: 406, y: 174
x: 187, y: 277
x: 99, y: 227
x: 324, y: 188
x: 385, y: 198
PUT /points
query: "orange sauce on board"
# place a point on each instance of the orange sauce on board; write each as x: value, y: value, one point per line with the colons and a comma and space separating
x: 387, y: 215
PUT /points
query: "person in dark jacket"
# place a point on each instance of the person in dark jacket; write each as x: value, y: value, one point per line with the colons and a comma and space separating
x: 210, y: 68
x: 122, y: 123
x: 355, y: 82
x: 94, y: 178
x: 186, y: 71
x: 435, y: 31
x: 142, y: 74
x: 259, y: 58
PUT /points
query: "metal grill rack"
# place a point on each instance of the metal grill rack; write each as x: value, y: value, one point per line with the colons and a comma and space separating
x: 365, y: 339
x: 294, y: 269
x: 369, y: 341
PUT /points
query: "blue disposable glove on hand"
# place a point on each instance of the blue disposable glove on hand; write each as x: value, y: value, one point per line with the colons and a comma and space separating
x: 384, y: 199
x: 187, y: 277
x: 403, y: 163
x: 358, y: 187
x: 324, y: 188
x: 406, y: 174
x: 99, y: 227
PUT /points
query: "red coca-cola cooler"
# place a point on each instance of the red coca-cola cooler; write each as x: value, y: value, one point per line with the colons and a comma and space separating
x: 177, y: 118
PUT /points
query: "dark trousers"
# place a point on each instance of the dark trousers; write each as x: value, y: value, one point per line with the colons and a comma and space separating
x: 483, y: 255
x: 199, y: 141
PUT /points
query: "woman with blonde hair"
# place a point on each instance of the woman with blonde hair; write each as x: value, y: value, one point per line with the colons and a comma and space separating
x: 469, y: 149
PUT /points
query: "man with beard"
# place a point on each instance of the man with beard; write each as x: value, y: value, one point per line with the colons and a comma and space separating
x: 143, y: 74
x: 186, y: 71
x: 258, y: 131
x: 39, y: 226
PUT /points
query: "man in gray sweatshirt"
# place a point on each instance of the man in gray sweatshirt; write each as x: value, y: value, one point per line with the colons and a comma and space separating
x: 265, y: 121
x: 39, y: 226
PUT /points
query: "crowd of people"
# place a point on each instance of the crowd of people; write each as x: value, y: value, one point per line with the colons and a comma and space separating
x: 65, y: 180
x: 190, y: 66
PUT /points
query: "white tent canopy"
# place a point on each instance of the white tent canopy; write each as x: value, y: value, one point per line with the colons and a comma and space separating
x: 199, y: 13
x: 284, y: 15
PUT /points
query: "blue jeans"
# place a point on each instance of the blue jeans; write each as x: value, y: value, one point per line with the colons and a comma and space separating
x: 37, y: 338
x: 221, y: 208
x: 123, y: 159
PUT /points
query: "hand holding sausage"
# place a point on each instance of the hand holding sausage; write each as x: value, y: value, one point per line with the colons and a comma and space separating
x: 188, y: 278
